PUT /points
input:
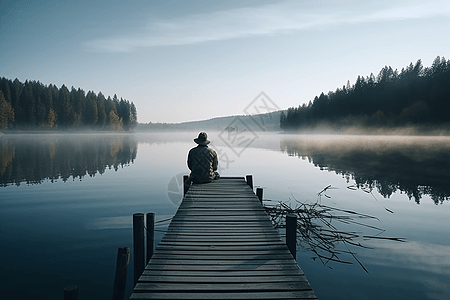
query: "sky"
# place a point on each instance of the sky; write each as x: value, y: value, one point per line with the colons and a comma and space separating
x: 181, y: 61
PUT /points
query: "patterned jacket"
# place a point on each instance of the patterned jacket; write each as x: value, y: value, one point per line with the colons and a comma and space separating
x: 202, y: 161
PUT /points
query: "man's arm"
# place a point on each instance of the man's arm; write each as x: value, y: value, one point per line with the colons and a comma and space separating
x: 189, y: 160
x: 215, y: 160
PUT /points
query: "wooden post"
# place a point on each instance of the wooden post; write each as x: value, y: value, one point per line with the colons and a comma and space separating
x: 259, y: 193
x: 150, y: 235
x: 71, y: 292
x: 291, y: 234
x: 138, y: 245
x: 186, y: 184
x: 120, y: 278
x: 250, y: 181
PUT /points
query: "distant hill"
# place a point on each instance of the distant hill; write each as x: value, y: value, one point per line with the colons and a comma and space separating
x: 259, y: 122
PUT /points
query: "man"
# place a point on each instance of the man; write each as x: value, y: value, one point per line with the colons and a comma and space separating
x: 202, y: 161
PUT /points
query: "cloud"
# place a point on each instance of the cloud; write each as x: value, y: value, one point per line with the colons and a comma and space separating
x: 266, y: 20
x: 418, y: 257
x: 413, y: 255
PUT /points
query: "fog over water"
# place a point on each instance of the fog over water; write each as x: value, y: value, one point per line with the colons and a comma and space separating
x: 415, y: 165
x: 66, y: 203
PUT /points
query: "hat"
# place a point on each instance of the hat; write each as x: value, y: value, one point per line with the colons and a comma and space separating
x: 202, y: 139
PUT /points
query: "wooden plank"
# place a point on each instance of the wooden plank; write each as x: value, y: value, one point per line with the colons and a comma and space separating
x: 219, y: 241
x: 252, y: 208
x: 221, y: 234
x: 219, y: 231
x: 220, y: 218
x: 219, y: 256
x: 239, y: 226
x: 226, y: 251
x: 215, y: 217
x: 238, y: 230
x: 236, y: 203
x: 220, y: 206
x: 230, y: 279
x: 230, y: 226
x: 214, y: 197
x: 222, y: 267
x: 222, y: 212
x: 261, y: 217
x: 215, y: 240
x: 221, y: 237
x: 231, y: 296
x: 224, y: 287
x: 210, y: 273
x: 208, y: 236
x: 225, y: 244
x: 220, y: 262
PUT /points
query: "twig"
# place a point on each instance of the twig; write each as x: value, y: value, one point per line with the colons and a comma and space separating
x: 318, y: 234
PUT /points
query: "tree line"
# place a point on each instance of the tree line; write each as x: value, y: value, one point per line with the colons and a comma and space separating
x: 416, y: 95
x: 33, y: 105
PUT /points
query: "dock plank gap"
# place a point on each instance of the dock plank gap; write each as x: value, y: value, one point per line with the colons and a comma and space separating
x: 221, y: 245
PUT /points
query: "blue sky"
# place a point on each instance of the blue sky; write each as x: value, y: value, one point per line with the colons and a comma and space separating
x: 191, y: 60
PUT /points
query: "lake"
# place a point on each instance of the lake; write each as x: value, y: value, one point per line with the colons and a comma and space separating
x: 67, y: 200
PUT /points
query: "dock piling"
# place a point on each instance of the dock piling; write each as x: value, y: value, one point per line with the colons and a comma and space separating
x: 150, y: 235
x: 138, y: 245
x: 120, y: 278
x: 259, y: 193
x: 291, y: 234
x: 249, y: 179
x: 71, y: 292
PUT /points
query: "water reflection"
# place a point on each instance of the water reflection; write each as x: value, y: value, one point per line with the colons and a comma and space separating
x: 35, y: 158
x: 416, y: 166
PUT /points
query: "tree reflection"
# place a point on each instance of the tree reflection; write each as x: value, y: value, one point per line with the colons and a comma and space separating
x: 35, y: 158
x: 416, y: 166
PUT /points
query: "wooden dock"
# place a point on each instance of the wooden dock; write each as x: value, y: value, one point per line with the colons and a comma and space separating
x: 221, y: 245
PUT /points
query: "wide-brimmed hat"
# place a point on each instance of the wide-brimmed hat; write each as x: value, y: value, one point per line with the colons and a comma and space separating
x: 202, y: 139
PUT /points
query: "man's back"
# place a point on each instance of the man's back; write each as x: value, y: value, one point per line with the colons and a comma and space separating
x: 202, y: 161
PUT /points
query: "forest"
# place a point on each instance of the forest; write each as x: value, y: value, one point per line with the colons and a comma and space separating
x: 35, y: 106
x: 415, y: 96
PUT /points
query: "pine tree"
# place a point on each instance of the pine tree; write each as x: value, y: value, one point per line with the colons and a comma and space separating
x: 133, y: 115
x: 6, y: 112
x: 28, y: 105
x: 78, y: 100
x: 51, y: 118
x: 115, y: 122
x: 101, y: 110
x: 64, y: 110
x: 91, y: 111
x: 15, y: 89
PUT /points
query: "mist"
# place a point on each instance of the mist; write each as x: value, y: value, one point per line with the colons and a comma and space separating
x: 415, y: 165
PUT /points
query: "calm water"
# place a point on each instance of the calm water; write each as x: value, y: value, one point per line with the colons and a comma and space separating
x: 66, y: 205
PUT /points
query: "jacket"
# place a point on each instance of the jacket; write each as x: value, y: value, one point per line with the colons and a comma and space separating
x: 202, y: 161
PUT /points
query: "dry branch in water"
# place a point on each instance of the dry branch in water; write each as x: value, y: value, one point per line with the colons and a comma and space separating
x: 317, y: 229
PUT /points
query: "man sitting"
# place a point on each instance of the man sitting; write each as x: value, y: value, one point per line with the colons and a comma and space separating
x: 202, y: 161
